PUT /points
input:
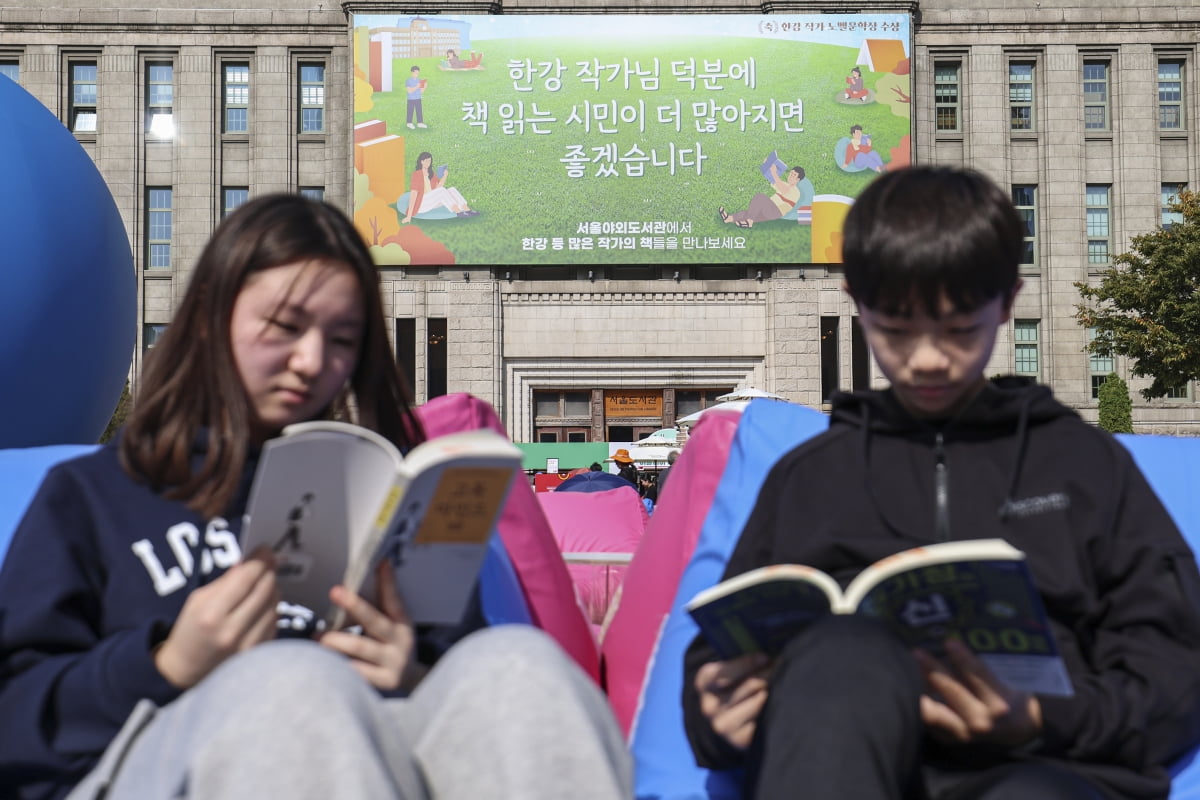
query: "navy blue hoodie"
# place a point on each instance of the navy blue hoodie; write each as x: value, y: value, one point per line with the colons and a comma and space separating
x: 95, y: 576
x: 1119, y: 583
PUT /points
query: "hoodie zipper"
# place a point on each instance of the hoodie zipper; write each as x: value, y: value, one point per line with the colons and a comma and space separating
x: 941, y: 490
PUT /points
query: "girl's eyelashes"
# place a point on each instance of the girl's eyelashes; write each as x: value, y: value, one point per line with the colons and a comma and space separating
x: 285, y: 325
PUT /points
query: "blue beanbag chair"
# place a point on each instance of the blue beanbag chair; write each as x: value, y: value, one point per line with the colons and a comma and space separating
x: 1172, y: 465
x: 21, y: 473
x: 664, y: 766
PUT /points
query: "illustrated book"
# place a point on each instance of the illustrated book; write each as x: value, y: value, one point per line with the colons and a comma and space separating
x: 441, y: 171
x: 331, y: 499
x: 773, y: 160
x: 979, y: 591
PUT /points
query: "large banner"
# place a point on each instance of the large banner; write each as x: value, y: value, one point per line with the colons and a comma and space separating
x: 622, y: 139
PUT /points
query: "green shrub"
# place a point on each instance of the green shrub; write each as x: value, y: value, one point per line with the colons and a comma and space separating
x: 1116, y: 409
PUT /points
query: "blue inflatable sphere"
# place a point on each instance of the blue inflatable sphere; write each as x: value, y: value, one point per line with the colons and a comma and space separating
x: 68, y: 299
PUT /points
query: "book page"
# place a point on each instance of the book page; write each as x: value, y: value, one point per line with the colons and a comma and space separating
x: 990, y: 605
x: 761, y: 609
x: 940, y: 553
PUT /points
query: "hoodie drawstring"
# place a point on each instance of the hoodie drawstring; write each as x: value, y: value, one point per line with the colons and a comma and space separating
x: 1005, y: 510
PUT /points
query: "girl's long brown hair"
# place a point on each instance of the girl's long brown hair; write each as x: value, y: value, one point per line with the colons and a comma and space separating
x: 190, y: 383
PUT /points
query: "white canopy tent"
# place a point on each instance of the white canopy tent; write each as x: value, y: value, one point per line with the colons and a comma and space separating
x: 730, y: 405
x: 653, y: 450
x: 749, y: 393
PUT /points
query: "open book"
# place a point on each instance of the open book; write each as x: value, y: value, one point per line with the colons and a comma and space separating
x: 332, y: 498
x: 979, y: 591
x: 441, y: 171
x: 773, y: 160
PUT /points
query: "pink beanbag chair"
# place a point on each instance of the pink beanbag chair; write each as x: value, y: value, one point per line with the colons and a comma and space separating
x: 527, y: 537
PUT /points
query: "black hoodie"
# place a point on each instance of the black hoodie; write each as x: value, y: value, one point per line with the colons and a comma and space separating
x: 1119, y: 583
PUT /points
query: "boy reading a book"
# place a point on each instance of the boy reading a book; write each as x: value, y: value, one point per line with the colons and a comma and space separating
x: 846, y: 711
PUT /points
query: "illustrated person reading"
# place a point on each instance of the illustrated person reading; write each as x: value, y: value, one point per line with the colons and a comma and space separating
x: 859, y: 152
x: 854, y: 86
x: 765, y: 207
x: 454, y: 62
x: 931, y: 259
x: 136, y: 639
x: 427, y: 191
x: 414, y: 86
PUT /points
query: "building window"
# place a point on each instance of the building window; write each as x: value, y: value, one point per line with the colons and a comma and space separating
x: 436, y: 362
x: 237, y: 98
x: 160, y: 99
x: 1170, y: 95
x: 1099, y: 366
x: 1020, y: 96
x: 860, y: 357
x: 83, y: 97
x: 1095, y: 95
x: 11, y: 69
x: 690, y: 401
x: 830, y: 358
x: 564, y: 416
x: 946, y: 96
x: 406, y: 347
x: 312, y: 98
x: 561, y: 405
x: 1025, y: 199
x: 1170, y: 194
x: 158, y: 227
x: 1097, y: 224
x: 234, y: 196
x: 1179, y: 392
x: 313, y: 192
x: 151, y: 333
x: 1027, y: 349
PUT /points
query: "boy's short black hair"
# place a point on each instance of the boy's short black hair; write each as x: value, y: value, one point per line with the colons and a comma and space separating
x: 921, y: 233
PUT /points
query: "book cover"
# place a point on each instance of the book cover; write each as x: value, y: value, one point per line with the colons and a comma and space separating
x: 441, y: 171
x: 331, y: 499
x: 773, y: 160
x: 978, y: 591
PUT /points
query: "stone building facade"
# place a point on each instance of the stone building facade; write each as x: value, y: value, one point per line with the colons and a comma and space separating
x: 1088, y: 109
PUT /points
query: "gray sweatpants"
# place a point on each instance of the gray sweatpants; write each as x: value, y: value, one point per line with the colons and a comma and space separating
x: 504, y: 714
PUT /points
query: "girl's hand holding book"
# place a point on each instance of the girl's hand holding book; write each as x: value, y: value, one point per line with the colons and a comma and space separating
x: 233, y: 613
x: 385, y: 653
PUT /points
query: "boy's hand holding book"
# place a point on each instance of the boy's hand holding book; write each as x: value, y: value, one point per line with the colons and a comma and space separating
x: 732, y: 695
x: 965, y: 703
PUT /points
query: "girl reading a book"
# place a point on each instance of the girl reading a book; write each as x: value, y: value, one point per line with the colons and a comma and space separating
x: 427, y: 191
x: 138, y: 644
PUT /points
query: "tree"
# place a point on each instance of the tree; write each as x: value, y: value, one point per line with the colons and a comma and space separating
x: 119, y: 415
x: 1116, y: 409
x: 1147, y: 304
